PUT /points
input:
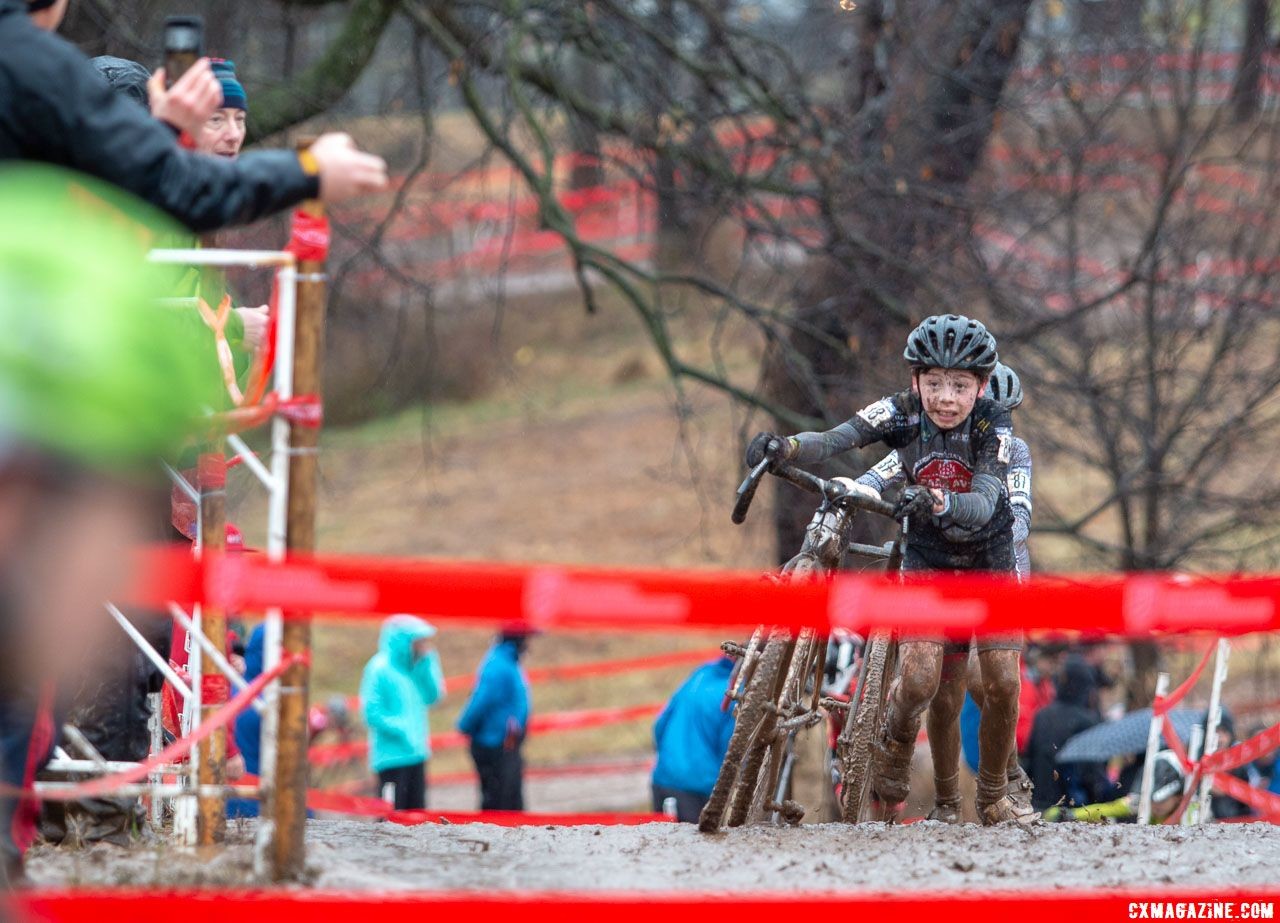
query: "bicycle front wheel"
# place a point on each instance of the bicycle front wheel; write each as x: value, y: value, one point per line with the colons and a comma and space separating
x: 755, y: 710
x: 864, y: 725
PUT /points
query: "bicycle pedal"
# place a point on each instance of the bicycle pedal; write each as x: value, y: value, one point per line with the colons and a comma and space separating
x: 732, y: 649
x: 791, y: 812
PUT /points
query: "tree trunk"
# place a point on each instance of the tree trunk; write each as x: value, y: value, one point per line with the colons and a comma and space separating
x: 672, y: 224
x: 328, y: 79
x: 1141, y: 689
x: 1246, y: 92
x: 587, y: 170
x: 931, y: 127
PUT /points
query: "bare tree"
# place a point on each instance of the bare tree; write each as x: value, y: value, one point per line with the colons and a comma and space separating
x: 1246, y: 92
x: 1098, y: 208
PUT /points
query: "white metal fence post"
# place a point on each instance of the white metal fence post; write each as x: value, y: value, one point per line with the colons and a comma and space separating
x: 1153, y: 745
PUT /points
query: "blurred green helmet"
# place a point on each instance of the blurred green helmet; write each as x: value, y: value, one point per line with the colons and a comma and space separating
x: 92, y: 370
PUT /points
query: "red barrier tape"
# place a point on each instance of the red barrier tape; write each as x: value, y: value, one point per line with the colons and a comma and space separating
x: 614, y: 767
x: 467, y: 777
x: 1264, y: 801
x: 596, y: 668
x: 1163, y: 705
x: 578, y: 597
x: 465, y: 681
x: 1174, y: 743
x: 522, y: 819
x: 309, y: 237
x: 982, y: 906
x: 172, y: 753
x: 304, y: 409
x: 329, y: 754
x: 376, y: 807
x: 1244, y: 752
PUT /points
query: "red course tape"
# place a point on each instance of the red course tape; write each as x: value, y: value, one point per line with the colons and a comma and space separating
x: 564, y: 597
x: 1163, y: 705
x: 329, y: 754
x: 989, y: 906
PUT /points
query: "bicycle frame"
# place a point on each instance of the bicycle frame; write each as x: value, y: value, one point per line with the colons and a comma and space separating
x: 787, y: 697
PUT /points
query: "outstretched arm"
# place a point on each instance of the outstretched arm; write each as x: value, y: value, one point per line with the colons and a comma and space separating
x: 887, y: 420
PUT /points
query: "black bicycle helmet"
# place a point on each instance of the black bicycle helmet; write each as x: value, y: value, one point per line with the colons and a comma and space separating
x: 1003, y: 387
x: 949, y: 341
x: 1167, y: 777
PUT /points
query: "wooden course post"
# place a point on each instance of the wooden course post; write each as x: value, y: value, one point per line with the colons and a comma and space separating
x: 211, y: 480
x: 289, y: 800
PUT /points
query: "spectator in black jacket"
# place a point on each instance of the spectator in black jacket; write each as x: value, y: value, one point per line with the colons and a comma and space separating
x: 1224, y: 806
x: 55, y: 108
x: 1055, y: 724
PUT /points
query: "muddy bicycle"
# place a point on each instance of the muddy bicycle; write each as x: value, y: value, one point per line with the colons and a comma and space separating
x: 777, y: 681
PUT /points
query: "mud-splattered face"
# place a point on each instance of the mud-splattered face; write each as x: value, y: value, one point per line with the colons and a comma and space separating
x: 948, y: 395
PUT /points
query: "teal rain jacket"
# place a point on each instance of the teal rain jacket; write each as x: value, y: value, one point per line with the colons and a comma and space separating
x: 395, y: 691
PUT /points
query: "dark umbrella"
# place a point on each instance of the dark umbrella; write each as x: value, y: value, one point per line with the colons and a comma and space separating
x: 1127, y: 735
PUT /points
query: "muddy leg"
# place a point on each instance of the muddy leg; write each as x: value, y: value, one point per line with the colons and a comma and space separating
x: 920, y: 668
x: 944, y: 739
x: 973, y: 680
x: 1000, y: 683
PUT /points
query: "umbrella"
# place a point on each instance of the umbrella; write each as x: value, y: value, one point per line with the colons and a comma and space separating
x: 1124, y: 736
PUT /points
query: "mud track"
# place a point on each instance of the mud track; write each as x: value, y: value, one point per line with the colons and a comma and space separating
x: 670, y: 857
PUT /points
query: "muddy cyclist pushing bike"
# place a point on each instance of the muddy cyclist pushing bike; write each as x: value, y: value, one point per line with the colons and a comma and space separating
x: 777, y: 682
x: 954, y: 447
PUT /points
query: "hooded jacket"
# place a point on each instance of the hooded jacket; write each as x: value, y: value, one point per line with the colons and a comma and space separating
x: 1053, y: 726
x: 55, y: 108
x: 692, y: 733
x: 499, y: 704
x: 396, y: 690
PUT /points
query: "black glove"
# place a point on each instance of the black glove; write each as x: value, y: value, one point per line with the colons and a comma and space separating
x: 767, y: 445
x: 916, y: 502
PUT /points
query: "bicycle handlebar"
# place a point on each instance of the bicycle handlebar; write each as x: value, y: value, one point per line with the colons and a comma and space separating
x: 831, y: 490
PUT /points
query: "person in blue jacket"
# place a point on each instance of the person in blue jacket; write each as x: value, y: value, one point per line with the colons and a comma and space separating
x: 692, y: 735
x: 399, y: 684
x: 496, y: 719
x: 248, y: 726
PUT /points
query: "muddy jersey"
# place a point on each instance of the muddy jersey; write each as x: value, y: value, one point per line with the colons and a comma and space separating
x: 969, y: 463
x: 888, y: 474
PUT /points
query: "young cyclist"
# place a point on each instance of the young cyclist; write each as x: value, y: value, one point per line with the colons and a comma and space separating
x: 1005, y: 389
x: 954, y: 447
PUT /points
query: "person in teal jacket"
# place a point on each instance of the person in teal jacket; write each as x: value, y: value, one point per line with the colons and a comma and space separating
x: 496, y: 719
x: 399, y: 684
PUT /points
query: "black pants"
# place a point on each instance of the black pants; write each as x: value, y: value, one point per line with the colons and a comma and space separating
x: 689, y: 805
x: 501, y: 777
x: 410, y: 785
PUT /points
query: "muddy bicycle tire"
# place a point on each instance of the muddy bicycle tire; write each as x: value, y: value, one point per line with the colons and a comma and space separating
x: 755, y: 707
x: 764, y: 737
x: 862, y: 727
x: 790, y: 698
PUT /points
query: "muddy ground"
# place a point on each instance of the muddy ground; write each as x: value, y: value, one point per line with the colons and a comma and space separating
x: 666, y: 857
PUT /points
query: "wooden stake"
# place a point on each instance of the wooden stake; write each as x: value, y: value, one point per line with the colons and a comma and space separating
x: 211, y: 480
x: 289, y: 802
